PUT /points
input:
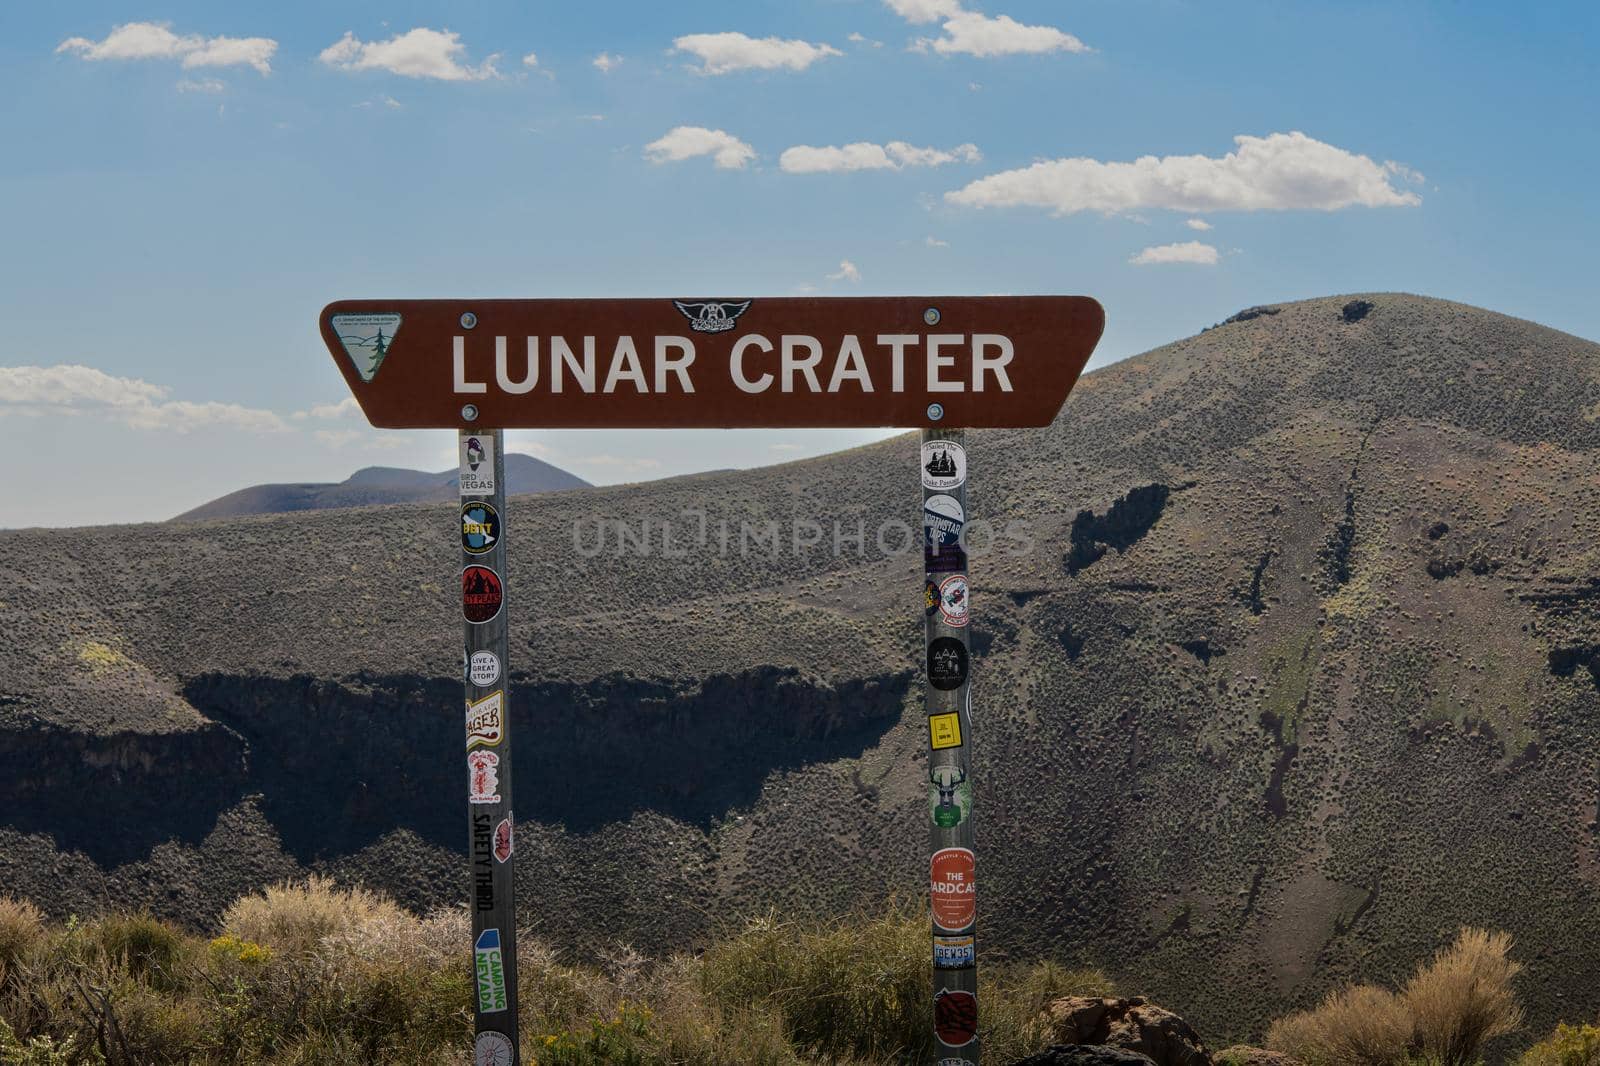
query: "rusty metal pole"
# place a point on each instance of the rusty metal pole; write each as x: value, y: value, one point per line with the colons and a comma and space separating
x: 488, y: 747
x: 952, y: 873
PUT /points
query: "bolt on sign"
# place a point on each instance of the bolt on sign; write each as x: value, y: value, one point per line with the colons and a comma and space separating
x: 943, y: 365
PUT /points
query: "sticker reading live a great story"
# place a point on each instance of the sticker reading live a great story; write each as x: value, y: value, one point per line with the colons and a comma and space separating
x: 483, y: 669
x: 477, y: 465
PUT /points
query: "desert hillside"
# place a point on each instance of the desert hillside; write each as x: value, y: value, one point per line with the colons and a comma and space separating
x: 1299, y: 673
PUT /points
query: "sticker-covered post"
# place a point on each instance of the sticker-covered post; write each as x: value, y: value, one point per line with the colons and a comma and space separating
x: 953, y: 881
x: 486, y: 764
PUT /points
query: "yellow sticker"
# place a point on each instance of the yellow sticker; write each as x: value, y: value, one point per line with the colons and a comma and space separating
x: 944, y: 730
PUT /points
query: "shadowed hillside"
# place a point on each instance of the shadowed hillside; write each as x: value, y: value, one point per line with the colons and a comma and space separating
x: 1300, y: 674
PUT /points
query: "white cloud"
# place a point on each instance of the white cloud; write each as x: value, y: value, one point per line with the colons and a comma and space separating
x: 848, y: 271
x: 686, y: 142
x: 531, y: 60
x: 71, y: 389
x: 417, y: 53
x: 155, y: 40
x: 925, y: 10
x: 1187, y: 252
x: 857, y: 38
x: 1197, y: 223
x: 344, y: 408
x: 1403, y: 172
x: 863, y: 155
x: 1279, y: 172
x: 723, y: 53
x: 975, y: 34
x: 605, y: 62
x: 200, y: 85
x: 934, y: 242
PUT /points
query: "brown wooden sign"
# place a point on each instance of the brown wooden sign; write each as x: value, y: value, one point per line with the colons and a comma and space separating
x: 874, y: 361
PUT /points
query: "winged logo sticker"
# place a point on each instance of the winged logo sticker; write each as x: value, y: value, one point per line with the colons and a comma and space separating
x: 712, y: 316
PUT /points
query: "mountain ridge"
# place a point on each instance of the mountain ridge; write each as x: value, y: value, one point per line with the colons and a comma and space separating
x: 1289, y: 673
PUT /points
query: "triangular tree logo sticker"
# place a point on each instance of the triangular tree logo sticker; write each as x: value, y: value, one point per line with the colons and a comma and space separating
x: 366, y: 340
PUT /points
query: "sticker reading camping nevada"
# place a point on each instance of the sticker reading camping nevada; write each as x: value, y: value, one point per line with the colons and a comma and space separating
x: 954, y: 883
x: 485, y: 722
x: 477, y: 465
x: 944, y: 731
x: 480, y: 527
x: 366, y: 340
x: 944, y: 465
x: 481, y: 594
x: 491, y: 972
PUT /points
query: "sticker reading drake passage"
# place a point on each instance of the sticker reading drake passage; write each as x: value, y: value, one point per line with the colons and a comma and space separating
x: 944, y: 465
x: 944, y: 731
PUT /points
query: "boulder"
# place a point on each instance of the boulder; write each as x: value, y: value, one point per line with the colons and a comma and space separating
x: 1134, y: 1024
x: 1084, y: 1055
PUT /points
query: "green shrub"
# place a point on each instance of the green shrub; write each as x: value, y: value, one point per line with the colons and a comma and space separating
x: 146, y: 947
x: 1569, y: 1045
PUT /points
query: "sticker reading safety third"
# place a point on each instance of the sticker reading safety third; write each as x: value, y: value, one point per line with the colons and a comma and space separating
x: 944, y: 731
x: 477, y: 465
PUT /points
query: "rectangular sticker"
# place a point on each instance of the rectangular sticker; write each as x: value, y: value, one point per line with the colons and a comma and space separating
x: 485, y: 725
x: 955, y: 952
x: 944, y: 730
x: 477, y: 464
x: 491, y: 972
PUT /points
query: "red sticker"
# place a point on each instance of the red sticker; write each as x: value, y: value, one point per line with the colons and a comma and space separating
x: 954, y: 884
x: 481, y: 594
x: 955, y: 1017
x: 502, y: 839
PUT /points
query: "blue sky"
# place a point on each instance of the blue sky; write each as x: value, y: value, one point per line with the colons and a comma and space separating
x: 178, y: 201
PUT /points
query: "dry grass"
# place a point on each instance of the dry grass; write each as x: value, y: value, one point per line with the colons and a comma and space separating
x: 1358, y: 1026
x: 1452, y: 1006
x: 315, y: 973
x: 21, y: 930
x: 1463, y: 998
x: 295, y: 917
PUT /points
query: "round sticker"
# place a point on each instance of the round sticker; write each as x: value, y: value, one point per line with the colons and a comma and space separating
x: 953, y: 600
x: 480, y: 527
x: 492, y: 1049
x: 955, y: 1017
x: 930, y: 599
x: 954, y: 885
x: 942, y: 521
x: 484, y: 668
x: 947, y: 663
x: 481, y: 594
x: 944, y: 465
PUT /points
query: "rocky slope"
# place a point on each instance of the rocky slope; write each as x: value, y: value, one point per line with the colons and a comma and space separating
x: 1289, y: 667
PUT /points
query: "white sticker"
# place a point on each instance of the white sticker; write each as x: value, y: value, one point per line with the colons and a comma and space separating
x: 944, y: 465
x: 366, y: 340
x: 953, y: 600
x: 485, y: 720
x: 484, y: 668
x: 483, y: 777
x: 492, y: 1049
x: 477, y: 464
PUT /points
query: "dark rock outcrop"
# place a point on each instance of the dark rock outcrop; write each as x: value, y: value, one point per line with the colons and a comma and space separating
x: 1084, y: 1055
x: 1132, y: 1024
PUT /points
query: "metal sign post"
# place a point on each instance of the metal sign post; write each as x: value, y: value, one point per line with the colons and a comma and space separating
x: 958, y: 361
x: 487, y: 763
x: 953, y: 884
